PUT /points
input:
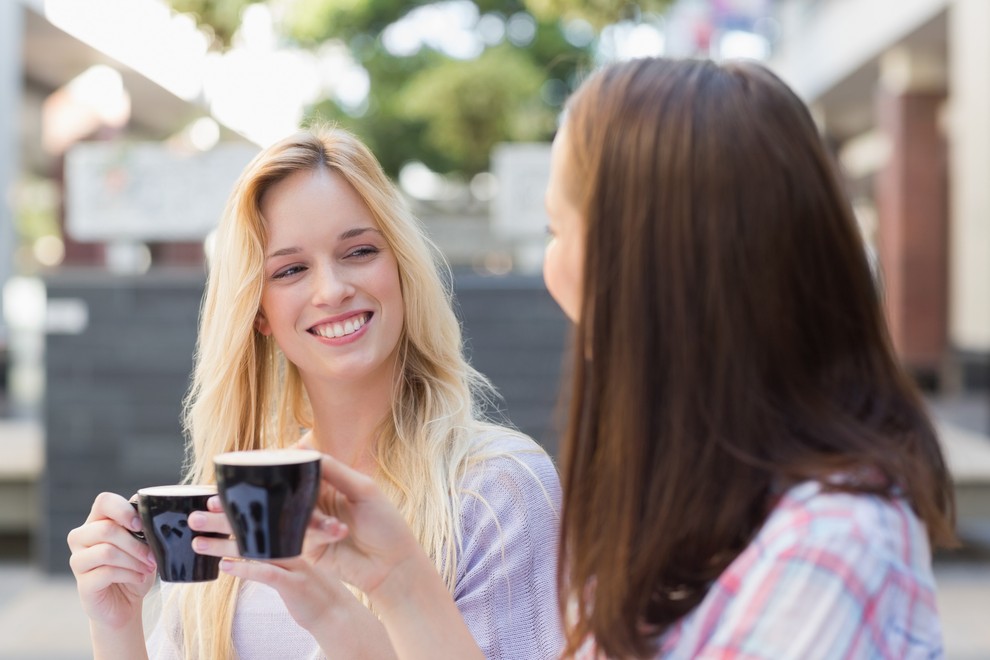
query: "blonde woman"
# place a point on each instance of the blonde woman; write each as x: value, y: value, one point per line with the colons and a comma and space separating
x: 326, y: 321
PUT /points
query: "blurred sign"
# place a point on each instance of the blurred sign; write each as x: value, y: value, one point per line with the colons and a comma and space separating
x: 147, y: 191
x: 522, y: 171
x: 66, y: 316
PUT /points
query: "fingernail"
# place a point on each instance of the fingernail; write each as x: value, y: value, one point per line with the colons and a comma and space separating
x: 196, y: 519
x: 198, y: 543
x: 226, y: 565
x: 150, y: 559
x: 136, y: 524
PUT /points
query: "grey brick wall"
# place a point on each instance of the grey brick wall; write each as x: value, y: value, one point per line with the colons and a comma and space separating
x: 114, y: 391
x: 516, y: 335
x: 113, y: 395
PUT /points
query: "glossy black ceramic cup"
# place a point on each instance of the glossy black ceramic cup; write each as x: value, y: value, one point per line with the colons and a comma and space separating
x: 164, y: 513
x: 269, y: 496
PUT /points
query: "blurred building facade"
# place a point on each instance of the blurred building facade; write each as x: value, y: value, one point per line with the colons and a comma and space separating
x: 62, y: 83
x: 901, y: 90
x: 59, y: 88
x: 101, y: 320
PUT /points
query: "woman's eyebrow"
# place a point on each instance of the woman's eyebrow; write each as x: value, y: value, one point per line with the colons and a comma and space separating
x: 350, y: 233
x: 357, y: 231
x: 283, y: 252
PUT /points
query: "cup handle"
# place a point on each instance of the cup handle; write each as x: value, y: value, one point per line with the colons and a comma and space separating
x: 138, y: 535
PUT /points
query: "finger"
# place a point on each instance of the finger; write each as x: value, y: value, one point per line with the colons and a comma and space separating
x: 326, y: 498
x: 209, y: 521
x: 266, y: 572
x: 354, y: 485
x: 106, y: 554
x: 305, y: 442
x: 327, y: 529
x: 114, y: 507
x: 100, y: 578
x: 326, y: 501
x: 214, y: 504
x: 205, y: 545
x: 107, y: 531
x: 322, y: 534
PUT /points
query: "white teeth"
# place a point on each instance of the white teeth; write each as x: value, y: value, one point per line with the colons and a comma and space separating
x: 334, y: 330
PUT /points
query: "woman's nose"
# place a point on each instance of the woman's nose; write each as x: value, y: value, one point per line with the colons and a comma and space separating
x: 332, y: 286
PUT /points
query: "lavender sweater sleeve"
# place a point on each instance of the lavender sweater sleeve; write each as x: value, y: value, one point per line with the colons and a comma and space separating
x: 506, y: 578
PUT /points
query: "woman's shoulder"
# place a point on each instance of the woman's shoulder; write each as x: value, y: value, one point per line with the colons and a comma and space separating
x: 851, y: 566
x: 500, y: 453
x: 810, y: 517
x: 508, y: 473
x: 509, y: 501
x: 492, y: 439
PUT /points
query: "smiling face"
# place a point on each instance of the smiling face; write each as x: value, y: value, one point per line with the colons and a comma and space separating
x: 332, y: 299
x: 563, y: 263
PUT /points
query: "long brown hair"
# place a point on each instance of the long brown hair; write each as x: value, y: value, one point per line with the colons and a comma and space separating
x: 730, y: 342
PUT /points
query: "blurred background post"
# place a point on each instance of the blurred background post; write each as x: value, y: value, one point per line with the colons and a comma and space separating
x: 123, y: 124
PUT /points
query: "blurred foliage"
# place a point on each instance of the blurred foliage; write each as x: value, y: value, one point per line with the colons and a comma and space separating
x: 383, y: 125
x: 468, y: 107
x: 313, y: 21
x: 220, y: 17
x: 35, y: 204
x: 446, y: 112
x: 449, y: 113
x: 597, y: 12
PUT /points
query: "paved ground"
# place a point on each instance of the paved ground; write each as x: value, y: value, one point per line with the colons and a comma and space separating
x: 41, y: 619
x: 964, y: 605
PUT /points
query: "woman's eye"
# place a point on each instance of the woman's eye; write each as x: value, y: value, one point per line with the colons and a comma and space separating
x: 363, y: 251
x: 287, y: 272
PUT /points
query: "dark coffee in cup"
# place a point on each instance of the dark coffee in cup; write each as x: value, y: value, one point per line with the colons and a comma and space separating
x: 269, y: 496
x: 164, y: 513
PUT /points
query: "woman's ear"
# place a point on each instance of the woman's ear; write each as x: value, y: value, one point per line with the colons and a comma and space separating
x: 261, y: 324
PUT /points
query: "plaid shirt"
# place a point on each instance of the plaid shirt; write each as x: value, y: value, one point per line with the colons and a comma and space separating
x: 830, y: 575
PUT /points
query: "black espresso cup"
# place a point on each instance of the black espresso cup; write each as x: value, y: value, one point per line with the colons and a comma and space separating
x: 164, y: 513
x: 269, y: 496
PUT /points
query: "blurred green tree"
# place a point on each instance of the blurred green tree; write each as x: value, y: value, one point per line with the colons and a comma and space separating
x: 469, y: 106
x: 425, y: 104
x: 597, y: 12
x: 220, y: 17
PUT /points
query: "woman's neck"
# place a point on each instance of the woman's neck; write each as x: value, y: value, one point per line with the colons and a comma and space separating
x: 346, y: 419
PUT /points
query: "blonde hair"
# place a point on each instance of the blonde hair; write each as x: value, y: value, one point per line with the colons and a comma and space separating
x: 246, y: 395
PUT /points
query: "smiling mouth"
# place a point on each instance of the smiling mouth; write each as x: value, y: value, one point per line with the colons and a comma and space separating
x: 341, y: 329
